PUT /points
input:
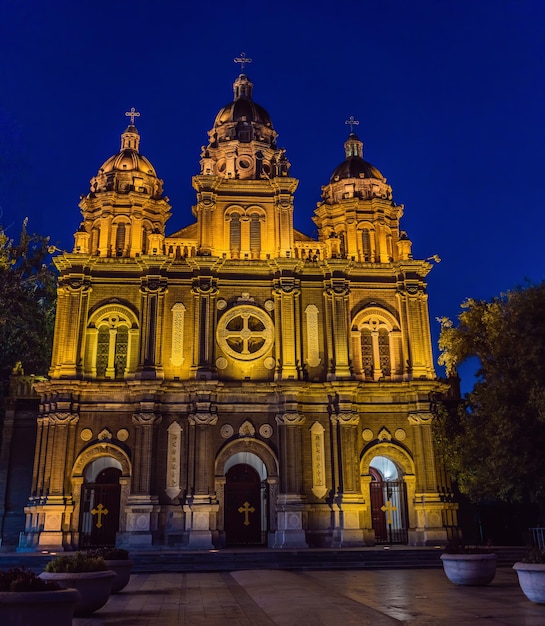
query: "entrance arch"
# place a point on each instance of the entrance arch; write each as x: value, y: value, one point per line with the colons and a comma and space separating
x: 246, y: 478
x: 387, y: 470
x: 100, y: 485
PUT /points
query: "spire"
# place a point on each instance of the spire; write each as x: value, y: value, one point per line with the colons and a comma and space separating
x: 130, y: 139
x: 242, y: 86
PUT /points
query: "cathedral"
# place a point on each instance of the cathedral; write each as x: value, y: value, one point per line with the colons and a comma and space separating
x: 238, y: 383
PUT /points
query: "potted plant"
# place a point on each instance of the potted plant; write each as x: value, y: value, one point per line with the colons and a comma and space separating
x: 25, y: 599
x: 89, y: 575
x: 117, y: 560
x: 531, y: 575
x: 469, y: 565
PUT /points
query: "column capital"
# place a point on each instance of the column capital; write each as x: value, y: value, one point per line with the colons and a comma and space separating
x: 203, y: 419
x: 345, y: 419
x: 290, y: 419
x: 420, y: 418
x: 146, y: 419
x: 61, y: 418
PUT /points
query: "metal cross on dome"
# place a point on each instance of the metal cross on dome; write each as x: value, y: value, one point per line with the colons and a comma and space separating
x: 352, y: 122
x: 132, y: 114
x: 242, y: 59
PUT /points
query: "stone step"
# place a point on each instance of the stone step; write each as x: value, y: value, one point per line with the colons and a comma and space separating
x: 395, y: 557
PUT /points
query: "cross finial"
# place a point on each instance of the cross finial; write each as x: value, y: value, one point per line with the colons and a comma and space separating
x: 132, y: 114
x: 242, y: 59
x: 352, y: 122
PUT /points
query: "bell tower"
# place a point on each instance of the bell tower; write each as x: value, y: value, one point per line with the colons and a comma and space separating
x: 357, y: 218
x: 244, y: 190
x: 125, y: 212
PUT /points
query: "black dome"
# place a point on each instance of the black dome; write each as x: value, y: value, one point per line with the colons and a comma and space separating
x: 355, y: 167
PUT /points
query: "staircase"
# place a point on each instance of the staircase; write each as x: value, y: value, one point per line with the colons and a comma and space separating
x: 384, y: 557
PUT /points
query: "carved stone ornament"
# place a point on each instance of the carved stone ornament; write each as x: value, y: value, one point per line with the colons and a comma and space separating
x: 400, y: 434
x: 122, y: 434
x: 384, y: 434
x: 86, y: 434
x: 290, y: 419
x: 269, y: 363
x: 63, y: 418
x: 146, y: 419
x: 203, y: 419
x: 266, y: 431
x: 247, y: 429
x: 221, y: 304
x: 367, y: 434
x: 418, y: 419
x: 226, y: 431
x: 104, y: 434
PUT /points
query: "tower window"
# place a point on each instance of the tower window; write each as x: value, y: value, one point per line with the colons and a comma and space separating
x: 255, y: 234
x: 234, y: 234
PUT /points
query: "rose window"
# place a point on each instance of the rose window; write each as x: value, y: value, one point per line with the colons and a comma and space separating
x: 245, y: 333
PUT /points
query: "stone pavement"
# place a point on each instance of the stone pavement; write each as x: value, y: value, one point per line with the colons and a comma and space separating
x: 316, y: 598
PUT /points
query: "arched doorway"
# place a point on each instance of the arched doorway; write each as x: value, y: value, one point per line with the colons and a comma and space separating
x: 388, y: 501
x: 100, y: 498
x: 243, y: 506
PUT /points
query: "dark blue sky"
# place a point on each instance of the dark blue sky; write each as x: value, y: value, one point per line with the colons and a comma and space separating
x: 450, y: 97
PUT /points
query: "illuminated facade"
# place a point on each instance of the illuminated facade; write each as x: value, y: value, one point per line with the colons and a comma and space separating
x: 236, y: 382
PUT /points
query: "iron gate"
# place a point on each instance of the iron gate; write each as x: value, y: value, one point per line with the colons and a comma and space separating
x: 389, y: 511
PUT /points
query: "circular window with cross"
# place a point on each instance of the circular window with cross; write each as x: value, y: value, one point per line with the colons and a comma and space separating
x: 245, y: 333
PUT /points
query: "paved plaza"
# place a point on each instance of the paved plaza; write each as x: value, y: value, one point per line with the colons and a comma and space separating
x: 316, y: 598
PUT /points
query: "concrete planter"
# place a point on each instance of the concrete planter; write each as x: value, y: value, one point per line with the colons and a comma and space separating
x: 469, y: 569
x: 532, y: 580
x: 94, y: 588
x: 35, y: 608
x: 122, y: 569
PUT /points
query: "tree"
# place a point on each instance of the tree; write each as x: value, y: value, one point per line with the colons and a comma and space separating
x: 27, y: 303
x: 494, y: 440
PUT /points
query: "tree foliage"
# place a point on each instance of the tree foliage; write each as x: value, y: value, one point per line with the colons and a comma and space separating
x: 494, y: 440
x: 27, y: 303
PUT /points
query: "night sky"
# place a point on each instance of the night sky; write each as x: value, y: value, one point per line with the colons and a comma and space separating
x: 450, y: 97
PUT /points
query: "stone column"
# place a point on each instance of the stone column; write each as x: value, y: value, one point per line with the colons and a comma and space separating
x: 288, y: 329
x: 204, y: 298
x: 141, y: 510
x: 72, y: 298
x: 201, y: 506
x: 428, y: 502
x: 349, y: 503
x: 50, y: 508
x: 337, y: 299
x: 153, y: 289
x: 290, y: 502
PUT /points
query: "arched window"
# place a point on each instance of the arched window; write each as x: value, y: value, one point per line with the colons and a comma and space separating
x: 380, y: 345
x: 120, y: 239
x: 342, y: 237
x: 366, y: 244
x: 234, y: 235
x: 255, y: 235
x: 111, y: 348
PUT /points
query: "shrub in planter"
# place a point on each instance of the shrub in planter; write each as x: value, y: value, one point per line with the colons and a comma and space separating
x: 531, y: 575
x: 25, y: 599
x: 89, y: 575
x: 117, y: 560
x: 469, y: 565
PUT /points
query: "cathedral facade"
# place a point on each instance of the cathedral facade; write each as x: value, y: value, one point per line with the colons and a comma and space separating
x: 237, y: 382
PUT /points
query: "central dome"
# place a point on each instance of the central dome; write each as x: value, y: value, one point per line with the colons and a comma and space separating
x: 243, y: 108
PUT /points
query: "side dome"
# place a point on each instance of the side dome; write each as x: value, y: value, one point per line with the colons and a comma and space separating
x: 355, y: 177
x: 128, y: 170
